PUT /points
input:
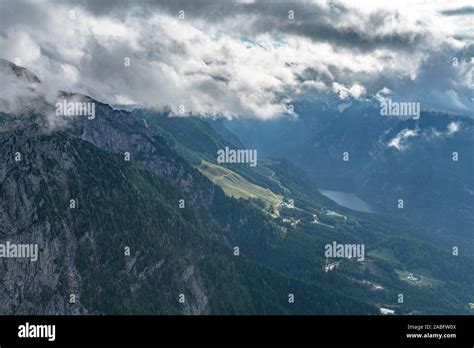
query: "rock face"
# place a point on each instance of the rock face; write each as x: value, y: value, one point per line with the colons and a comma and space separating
x: 83, y: 243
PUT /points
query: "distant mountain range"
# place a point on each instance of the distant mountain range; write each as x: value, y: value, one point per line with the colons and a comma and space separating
x: 429, y: 163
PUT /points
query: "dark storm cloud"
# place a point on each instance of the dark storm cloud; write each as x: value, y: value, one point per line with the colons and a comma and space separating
x: 462, y: 11
x: 320, y: 23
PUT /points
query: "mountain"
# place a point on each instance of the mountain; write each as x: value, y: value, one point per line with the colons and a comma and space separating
x: 154, y: 216
x: 22, y: 74
x: 132, y: 204
x: 389, y: 158
x: 394, y: 242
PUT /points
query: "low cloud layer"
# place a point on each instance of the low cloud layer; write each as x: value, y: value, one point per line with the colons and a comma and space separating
x: 243, y: 58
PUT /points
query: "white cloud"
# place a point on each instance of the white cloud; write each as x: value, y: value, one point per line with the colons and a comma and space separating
x: 453, y: 127
x: 242, y: 63
x: 399, y: 142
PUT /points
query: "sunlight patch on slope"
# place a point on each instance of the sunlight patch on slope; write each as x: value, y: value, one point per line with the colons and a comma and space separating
x: 236, y: 186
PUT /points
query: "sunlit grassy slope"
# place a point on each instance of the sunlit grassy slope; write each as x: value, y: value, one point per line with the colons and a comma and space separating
x: 234, y: 185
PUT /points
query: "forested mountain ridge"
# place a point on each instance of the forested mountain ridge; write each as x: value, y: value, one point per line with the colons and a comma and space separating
x: 378, y: 231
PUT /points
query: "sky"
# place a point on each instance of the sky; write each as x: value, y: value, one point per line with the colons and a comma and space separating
x: 244, y: 58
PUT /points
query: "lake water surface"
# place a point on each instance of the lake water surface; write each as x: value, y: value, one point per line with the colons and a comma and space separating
x: 348, y: 200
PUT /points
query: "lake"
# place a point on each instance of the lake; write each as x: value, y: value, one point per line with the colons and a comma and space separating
x: 348, y: 200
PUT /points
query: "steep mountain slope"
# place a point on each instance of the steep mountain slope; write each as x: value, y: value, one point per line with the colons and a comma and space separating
x: 82, y: 250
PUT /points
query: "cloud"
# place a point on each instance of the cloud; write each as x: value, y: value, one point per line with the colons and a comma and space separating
x: 453, y: 127
x: 238, y: 58
x: 14, y: 99
x: 322, y: 21
x: 400, y: 140
x: 355, y: 91
x: 461, y: 11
